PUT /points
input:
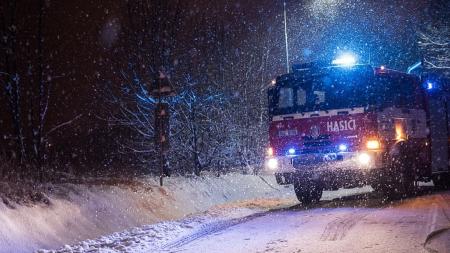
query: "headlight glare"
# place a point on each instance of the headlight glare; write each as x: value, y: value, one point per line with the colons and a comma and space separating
x: 364, y: 159
x: 272, y: 163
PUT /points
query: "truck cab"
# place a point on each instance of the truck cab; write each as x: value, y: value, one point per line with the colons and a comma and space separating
x: 352, y: 125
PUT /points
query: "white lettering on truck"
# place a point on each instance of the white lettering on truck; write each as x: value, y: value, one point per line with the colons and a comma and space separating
x: 342, y: 125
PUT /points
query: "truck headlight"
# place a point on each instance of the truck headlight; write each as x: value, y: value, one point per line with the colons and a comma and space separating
x: 364, y: 158
x: 272, y: 163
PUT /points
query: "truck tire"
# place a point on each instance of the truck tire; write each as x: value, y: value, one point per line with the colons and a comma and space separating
x: 308, y: 191
x: 399, y: 179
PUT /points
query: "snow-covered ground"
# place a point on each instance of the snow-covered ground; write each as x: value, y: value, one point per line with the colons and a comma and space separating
x: 156, y: 237
x: 359, y: 221
x: 231, y: 213
x: 416, y: 225
x: 91, y: 210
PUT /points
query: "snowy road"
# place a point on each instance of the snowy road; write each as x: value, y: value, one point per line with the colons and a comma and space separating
x: 344, y: 221
x: 361, y: 223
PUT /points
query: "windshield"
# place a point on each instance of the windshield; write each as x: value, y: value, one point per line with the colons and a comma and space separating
x: 338, y: 89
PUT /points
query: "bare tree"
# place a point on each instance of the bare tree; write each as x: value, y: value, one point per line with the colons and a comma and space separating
x: 434, y: 38
x: 10, y: 77
x: 199, y: 129
x: 26, y: 79
x: 221, y: 73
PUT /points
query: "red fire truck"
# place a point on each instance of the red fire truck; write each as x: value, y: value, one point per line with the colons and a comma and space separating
x: 348, y: 125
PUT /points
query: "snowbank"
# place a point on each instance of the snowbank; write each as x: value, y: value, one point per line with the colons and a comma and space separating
x: 164, y: 236
x: 79, y: 212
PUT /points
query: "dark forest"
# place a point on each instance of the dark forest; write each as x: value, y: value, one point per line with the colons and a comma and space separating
x: 76, y: 77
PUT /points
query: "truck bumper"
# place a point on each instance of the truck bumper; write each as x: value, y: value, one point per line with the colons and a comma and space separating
x: 349, y: 169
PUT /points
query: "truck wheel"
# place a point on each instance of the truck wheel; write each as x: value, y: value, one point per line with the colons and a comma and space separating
x: 403, y: 186
x: 308, y: 191
x: 400, y: 180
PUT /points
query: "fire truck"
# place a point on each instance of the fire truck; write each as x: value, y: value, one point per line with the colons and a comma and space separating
x: 346, y: 125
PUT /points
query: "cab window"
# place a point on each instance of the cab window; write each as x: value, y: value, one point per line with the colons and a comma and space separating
x: 286, y: 98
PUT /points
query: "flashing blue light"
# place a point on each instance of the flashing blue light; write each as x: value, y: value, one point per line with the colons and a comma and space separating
x: 342, y: 147
x: 345, y: 60
x: 430, y: 85
x: 291, y: 151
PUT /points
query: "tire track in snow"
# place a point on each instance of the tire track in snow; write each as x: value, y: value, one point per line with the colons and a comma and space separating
x: 338, y: 228
x: 211, y: 228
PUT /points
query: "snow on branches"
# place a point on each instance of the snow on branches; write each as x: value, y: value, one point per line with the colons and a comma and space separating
x: 434, y: 42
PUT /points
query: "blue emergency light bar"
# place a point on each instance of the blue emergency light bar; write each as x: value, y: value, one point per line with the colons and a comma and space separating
x: 345, y: 60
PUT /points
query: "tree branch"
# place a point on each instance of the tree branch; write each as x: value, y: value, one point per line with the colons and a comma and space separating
x: 63, y: 124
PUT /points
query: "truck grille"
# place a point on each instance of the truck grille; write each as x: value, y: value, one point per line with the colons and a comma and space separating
x: 320, y: 144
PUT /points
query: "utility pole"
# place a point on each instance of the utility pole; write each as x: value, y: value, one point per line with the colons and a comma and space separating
x: 286, y: 36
